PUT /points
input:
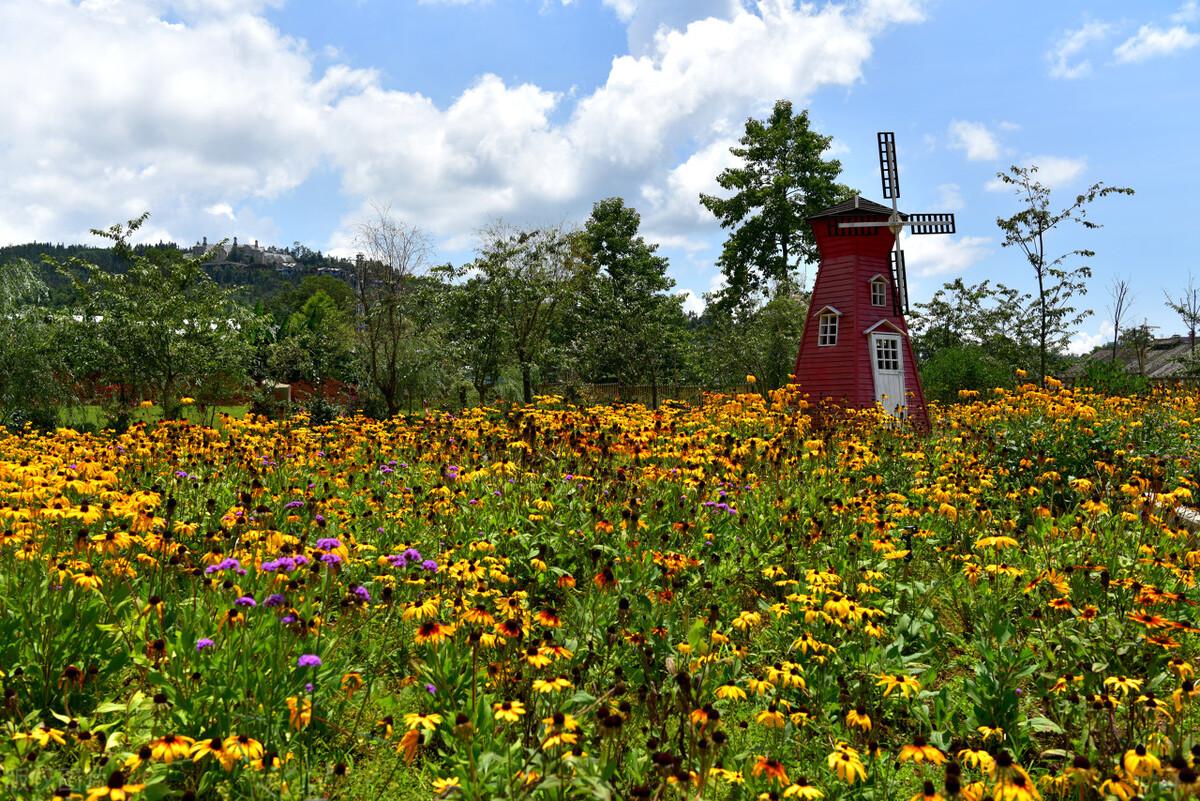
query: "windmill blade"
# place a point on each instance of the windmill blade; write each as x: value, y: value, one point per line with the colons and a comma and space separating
x: 888, y: 169
x: 900, y: 284
x: 931, y: 223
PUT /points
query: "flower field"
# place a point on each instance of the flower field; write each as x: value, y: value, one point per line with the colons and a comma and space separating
x: 732, y: 601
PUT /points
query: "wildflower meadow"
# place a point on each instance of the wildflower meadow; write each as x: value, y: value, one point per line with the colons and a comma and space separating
x: 748, y: 598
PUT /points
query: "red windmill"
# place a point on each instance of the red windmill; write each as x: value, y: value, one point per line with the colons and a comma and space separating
x: 855, y: 349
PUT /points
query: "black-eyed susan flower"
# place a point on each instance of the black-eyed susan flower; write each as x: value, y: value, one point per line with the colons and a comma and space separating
x: 1140, y: 763
x: 858, y: 718
x: 844, y: 761
x: 428, y: 722
x: 171, y: 747
x: 509, y: 711
x: 117, y: 788
x: 919, y: 751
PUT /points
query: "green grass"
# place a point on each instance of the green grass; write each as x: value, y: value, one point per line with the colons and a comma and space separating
x: 92, y: 416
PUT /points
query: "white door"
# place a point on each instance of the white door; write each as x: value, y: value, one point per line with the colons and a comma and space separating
x: 887, y: 367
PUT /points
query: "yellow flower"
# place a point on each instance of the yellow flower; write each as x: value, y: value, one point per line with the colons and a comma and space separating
x: 1139, y: 763
x: 771, y: 718
x: 552, y: 685
x: 803, y: 790
x: 186, y: 401
x: 906, y: 684
x: 171, y: 747
x: 1123, y: 683
x: 730, y: 692
x: 845, y: 763
x: 444, y: 787
x: 990, y: 732
x: 428, y: 722
x: 299, y: 712
x: 859, y: 718
x: 919, y: 751
x: 244, y: 746
x: 117, y: 789
x: 510, y: 711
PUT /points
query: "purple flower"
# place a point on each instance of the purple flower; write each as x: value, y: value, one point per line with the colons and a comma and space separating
x: 429, y: 688
x: 246, y: 600
x: 430, y: 565
x: 308, y: 687
x: 319, y: 518
x: 362, y: 593
x: 308, y: 660
x: 329, y: 543
x: 413, y: 555
x: 293, y: 504
x: 331, y: 559
x: 275, y: 599
x: 202, y: 643
x: 288, y: 619
x: 397, y: 560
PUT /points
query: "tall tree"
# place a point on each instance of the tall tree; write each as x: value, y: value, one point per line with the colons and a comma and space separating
x: 624, y: 312
x: 783, y: 178
x: 392, y: 254
x: 1187, y: 306
x: 1057, y: 282
x: 162, y: 325
x: 33, y: 370
x: 533, y: 274
x: 477, y: 332
x: 1122, y: 296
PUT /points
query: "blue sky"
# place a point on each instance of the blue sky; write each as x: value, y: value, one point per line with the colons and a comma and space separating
x: 283, y: 120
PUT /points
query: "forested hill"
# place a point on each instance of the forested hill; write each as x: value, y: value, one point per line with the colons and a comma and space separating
x: 255, y: 284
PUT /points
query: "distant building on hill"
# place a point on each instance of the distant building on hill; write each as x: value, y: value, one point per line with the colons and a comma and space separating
x: 225, y: 253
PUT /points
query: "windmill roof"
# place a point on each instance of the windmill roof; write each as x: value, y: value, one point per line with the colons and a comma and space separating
x: 856, y: 205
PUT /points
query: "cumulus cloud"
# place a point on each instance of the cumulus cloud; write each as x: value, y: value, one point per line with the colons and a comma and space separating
x: 222, y: 210
x: 1083, y: 342
x: 1151, y: 41
x: 1053, y: 171
x: 974, y: 139
x: 189, y: 108
x: 1062, y: 56
x: 930, y: 256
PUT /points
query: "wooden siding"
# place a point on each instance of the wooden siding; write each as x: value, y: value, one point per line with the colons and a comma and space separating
x: 843, y: 372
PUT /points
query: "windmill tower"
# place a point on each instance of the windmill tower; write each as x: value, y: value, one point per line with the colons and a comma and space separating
x: 855, y: 349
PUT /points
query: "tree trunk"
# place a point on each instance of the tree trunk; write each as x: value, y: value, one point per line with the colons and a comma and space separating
x: 526, y: 381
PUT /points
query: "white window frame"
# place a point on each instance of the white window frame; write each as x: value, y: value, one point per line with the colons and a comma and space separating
x: 887, y: 353
x: 827, y: 329
x: 878, y: 292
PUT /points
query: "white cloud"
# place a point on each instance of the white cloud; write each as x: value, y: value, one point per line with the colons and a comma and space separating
x: 1083, y: 343
x: 928, y: 256
x: 1053, y: 171
x: 1188, y: 12
x: 624, y: 9
x: 170, y: 117
x: 974, y: 139
x: 950, y: 197
x: 1151, y: 41
x: 1062, y: 55
x: 693, y: 303
x: 221, y: 210
x: 191, y: 117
